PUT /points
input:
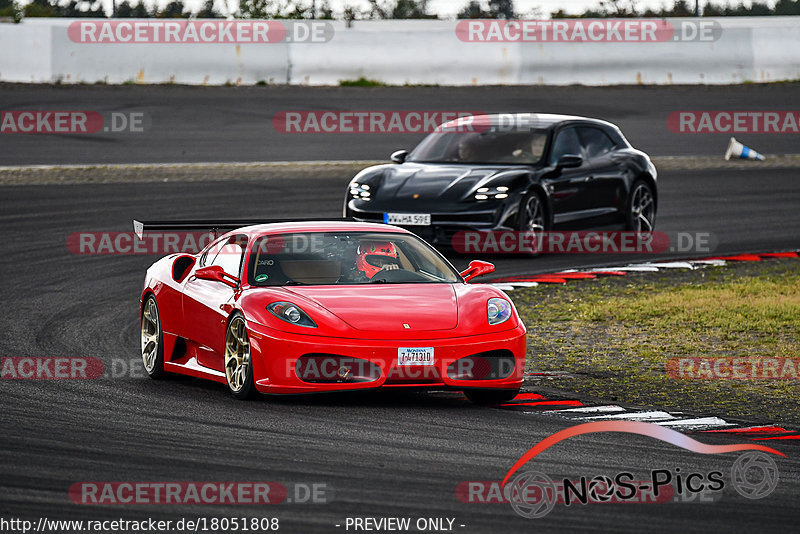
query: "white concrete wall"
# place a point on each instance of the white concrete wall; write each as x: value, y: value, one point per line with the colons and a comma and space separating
x: 760, y: 49
x: 25, y: 53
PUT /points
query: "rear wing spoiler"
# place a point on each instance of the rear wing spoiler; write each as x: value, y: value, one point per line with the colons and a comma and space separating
x: 216, y: 227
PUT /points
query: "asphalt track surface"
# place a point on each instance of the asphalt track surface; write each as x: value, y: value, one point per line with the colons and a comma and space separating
x: 381, y: 454
x: 192, y: 124
x: 394, y: 454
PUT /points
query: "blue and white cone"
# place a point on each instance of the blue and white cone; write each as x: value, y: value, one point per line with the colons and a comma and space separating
x: 738, y: 150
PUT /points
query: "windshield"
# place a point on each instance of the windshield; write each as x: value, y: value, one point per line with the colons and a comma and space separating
x: 491, y: 146
x: 346, y: 258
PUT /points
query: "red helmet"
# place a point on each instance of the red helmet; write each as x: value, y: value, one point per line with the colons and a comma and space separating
x: 373, y: 255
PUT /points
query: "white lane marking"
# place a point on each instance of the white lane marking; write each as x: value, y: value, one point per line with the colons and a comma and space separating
x: 655, y: 415
x: 633, y: 268
x: 591, y: 409
x: 709, y: 262
x: 504, y: 287
x: 636, y: 267
x: 673, y: 265
x: 699, y: 422
x: 658, y: 417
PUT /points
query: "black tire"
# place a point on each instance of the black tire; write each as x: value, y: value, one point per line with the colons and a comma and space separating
x: 237, y: 349
x: 152, y: 339
x: 636, y: 213
x: 485, y: 397
x: 533, y: 216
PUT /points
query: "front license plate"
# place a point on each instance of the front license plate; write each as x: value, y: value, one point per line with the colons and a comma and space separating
x: 408, y: 219
x: 415, y: 356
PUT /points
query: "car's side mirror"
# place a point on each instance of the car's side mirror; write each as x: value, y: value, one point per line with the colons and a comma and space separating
x: 569, y: 161
x: 399, y: 156
x: 217, y: 274
x: 477, y: 268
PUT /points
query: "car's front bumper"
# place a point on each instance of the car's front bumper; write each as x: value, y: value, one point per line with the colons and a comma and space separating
x: 274, y: 356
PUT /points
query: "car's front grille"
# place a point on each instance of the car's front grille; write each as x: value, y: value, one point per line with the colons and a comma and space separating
x: 334, y: 368
x: 489, y: 365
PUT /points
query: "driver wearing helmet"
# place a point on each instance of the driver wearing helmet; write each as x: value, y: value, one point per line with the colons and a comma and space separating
x: 374, y: 256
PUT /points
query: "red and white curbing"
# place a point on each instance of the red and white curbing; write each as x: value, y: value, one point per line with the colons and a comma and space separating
x: 575, y: 410
x: 758, y: 433
x: 562, y: 277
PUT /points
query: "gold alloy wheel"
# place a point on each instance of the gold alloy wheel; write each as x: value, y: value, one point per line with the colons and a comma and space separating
x: 237, y: 354
x: 151, y: 330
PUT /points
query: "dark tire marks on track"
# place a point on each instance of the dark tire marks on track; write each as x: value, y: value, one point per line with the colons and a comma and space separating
x: 192, y: 124
x: 392, y: 454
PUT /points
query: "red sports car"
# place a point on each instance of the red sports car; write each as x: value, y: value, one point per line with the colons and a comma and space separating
x: 328, y: 306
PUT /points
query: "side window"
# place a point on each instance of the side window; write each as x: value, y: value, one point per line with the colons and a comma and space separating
x: 230, y: 255
x: 210, y: 252
x: 595, y: 141
x: 566, y: 142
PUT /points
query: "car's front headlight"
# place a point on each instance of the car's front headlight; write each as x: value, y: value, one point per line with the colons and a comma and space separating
x: 360, y: 191
x: 488, y: 193
x: 291, y: 313
x: 498, y: 310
